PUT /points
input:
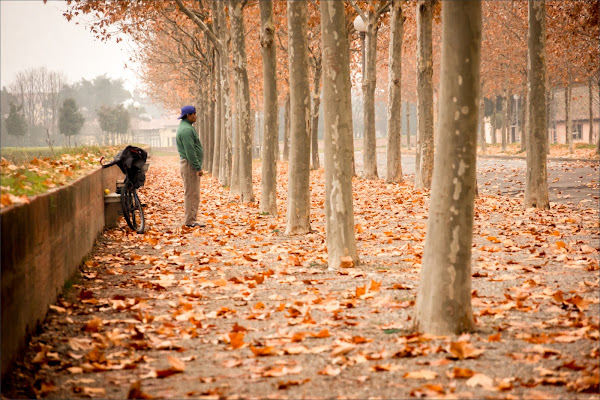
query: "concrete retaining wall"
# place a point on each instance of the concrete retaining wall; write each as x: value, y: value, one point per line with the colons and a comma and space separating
x: 43, y: 244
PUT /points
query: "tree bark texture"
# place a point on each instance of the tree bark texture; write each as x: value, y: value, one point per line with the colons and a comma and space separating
x: 238, y: 45
x: 218, y: 120
x: 493, y: 120
x: 408, y: 145
x: 286, y: 129
x: 536, y: 182
x: 339, y: 148
x: 225, y: 158
x: 523, y: 109
x: 316, y: 102
x: 298, y: 201
x: 369, y: 84
x: 591, y: 109
x: 268, y: 197
x: 235, y: 160
x: 504, y: 131
x: 568, y: 119
x: 444, y: 296
x: 482, y: 142
x: 210, y: 143
x: 394, y: 112
x: 425, y: 144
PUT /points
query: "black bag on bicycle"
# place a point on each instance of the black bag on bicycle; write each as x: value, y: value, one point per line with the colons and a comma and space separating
x: 132, y: 160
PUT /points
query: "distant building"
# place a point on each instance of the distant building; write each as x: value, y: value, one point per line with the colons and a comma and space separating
x: 580, y: 116
x: 156, y: 132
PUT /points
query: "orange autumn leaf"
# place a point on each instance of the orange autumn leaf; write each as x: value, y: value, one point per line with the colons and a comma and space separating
x: 93, y: 325
x: 361, y: 290
x: 322, y: 334
x: 460, y: 373
x: 236, y: 339
x: 463, y: 350
x: 421, y: 374
x: 263, y: 351
x: 308, y: 319
x: 360, y: 339
x: 374, y: 286
x: 330, y: 370
x: 176, y: 364
x: 238, y: 328
x: 346, y: 262
x: 298, y: 336
x: 135, y: 392
x: 579, y: 302
x: 495, y: 337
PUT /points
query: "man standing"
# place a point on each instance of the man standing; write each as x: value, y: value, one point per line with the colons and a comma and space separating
x: 191, y: 156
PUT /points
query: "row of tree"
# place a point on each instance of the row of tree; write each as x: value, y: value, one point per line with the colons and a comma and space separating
x: 39, y: 106
x: 185, y: 45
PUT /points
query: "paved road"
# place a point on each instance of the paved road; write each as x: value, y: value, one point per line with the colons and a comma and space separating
x: 568, y: 181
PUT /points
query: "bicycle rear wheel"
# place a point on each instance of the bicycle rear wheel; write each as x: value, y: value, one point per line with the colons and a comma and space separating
x: 132, y: 208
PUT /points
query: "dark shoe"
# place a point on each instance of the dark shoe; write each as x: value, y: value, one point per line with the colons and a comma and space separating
x: 195, y: 224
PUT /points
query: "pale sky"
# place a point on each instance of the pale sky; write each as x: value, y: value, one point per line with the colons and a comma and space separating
x: 34, y: 34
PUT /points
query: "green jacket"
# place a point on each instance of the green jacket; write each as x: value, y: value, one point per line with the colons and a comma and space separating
x: 188, y: 145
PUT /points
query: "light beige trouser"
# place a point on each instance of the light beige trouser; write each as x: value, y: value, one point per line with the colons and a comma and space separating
x: 191, y: 190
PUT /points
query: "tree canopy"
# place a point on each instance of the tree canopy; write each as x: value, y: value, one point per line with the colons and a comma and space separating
x: 70, y: 119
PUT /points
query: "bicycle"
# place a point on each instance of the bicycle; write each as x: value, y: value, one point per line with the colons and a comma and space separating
x: 132, y: 162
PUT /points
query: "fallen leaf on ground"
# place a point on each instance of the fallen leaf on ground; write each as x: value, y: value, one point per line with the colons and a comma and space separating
x: 421, y: 374
x: 330, y: 370
x: 135, y: 392
x: 481, y: 380
x: 463, y: 350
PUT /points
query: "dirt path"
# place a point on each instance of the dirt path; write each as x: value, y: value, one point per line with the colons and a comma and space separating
x: 238, y: 309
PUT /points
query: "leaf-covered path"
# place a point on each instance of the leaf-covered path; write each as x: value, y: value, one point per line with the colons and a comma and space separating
x: 239, y: 310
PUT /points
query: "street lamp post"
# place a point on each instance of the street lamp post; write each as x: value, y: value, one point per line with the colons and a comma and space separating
x: 361, y: 28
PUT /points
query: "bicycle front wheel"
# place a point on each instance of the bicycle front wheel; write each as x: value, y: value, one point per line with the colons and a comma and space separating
x: 132, y: 209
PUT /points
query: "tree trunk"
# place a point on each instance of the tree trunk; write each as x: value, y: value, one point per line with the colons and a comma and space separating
x: 314, y: 125
x: 218, y: 120
x: 536, y: 184
x: 551, y: 109
x: 238, y: 45
x: 369, y: 83
x: 504, y: 120
x: 298, y: 201
x: 286, y: 129
x: 482, y: 124
x: 394, y: 114
x: 408, y: 145
x: 225, y: 156
x: 568, y: 120
x: 210, y: 143
x: 493, y: 120
x: 339, y: 148
x: 423, y: 174
x: 444, y: 298
x: 591, y: 109
x: 268, y: 197
x: 522, y: 117
x: 598, y: 140
x: 235, y: 161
